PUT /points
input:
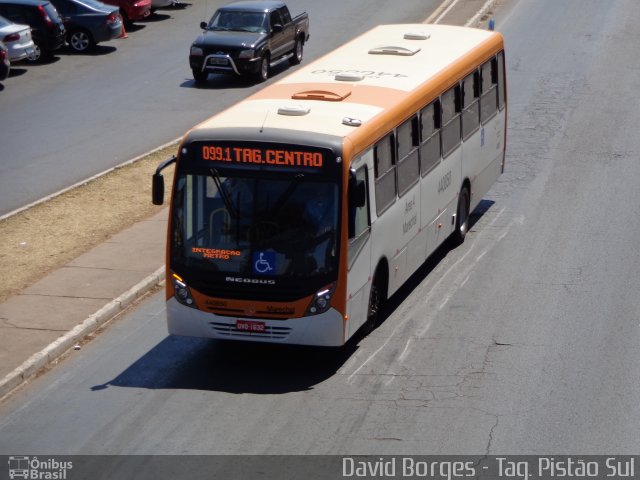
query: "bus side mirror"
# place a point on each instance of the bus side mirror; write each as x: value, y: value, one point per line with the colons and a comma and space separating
x: 157, y: 189
x: 357, y: 194
x: 157, y: 182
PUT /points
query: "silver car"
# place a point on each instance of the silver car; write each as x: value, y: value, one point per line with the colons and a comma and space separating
x: 17, y: 39
x: 5, y: 64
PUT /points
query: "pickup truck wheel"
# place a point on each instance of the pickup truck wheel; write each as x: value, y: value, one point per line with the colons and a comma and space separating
x: 199, y: 76
x: 263, y: 69
x: 298, y: 52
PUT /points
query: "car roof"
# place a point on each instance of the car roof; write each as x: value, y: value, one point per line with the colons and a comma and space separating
x: 256, y: 5
x: 29, y: 3
x: 93, y: 5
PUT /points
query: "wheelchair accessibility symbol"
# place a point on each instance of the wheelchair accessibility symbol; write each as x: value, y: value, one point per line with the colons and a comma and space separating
x: 264, y: 263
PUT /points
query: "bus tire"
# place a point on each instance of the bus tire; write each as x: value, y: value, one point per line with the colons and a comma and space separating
x: 462, y: 217
x: 377, y: 297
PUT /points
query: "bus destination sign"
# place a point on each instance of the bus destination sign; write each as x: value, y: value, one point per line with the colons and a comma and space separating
x: 270, y: 156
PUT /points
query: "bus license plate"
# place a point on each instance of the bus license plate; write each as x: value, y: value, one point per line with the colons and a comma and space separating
x: 247, y: 326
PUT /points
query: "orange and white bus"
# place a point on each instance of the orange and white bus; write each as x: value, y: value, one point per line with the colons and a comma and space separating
x: 298, y: 211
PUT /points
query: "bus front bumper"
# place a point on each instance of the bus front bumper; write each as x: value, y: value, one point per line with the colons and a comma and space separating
x: 326, y: 329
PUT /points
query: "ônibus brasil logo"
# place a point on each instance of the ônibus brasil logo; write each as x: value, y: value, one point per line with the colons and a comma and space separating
x: 38, y: 469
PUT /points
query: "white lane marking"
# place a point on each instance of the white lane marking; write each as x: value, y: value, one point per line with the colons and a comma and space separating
x: 447, y: 10
x: 464, y: 276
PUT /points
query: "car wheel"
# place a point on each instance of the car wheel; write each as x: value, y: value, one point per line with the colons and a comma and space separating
x: 263, y: 68
x: 298, y: 52
x: 36, y: 55
x: 199, y: 76
x: 80, y: 41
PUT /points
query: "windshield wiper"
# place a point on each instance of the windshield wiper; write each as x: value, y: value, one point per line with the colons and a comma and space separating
x: 286, y: 194
x: 223, y: 194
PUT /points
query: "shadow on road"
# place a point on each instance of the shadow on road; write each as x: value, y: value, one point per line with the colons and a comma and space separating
x: 429, y: 265
x: 96, y: 51
x: 156, y: 17
x: 17, y: 71
x: 222, y: 82
x: 234, y: 367
x: 184, y: 363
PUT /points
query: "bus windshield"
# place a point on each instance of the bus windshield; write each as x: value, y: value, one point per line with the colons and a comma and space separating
x: 255, y: 227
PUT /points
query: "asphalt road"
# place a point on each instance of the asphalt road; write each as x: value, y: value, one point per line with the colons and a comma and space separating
x: 80, y: 115
x: 524, y: 340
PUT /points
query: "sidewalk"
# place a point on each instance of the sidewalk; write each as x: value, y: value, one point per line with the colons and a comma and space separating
x: 41, y: 323
x: 51, y: 316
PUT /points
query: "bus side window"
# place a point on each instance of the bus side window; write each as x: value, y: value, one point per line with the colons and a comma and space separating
x: 359, y: 219
x: 385, y: 171
x: 359, y: 214
x: 489, y: 95
x: 430, y: 136
x: 470, y: 104
x: 451, y: 107
x: 408, y: 138
x: 501, y: 80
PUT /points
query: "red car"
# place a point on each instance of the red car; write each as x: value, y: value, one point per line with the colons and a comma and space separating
x: 132, y: 10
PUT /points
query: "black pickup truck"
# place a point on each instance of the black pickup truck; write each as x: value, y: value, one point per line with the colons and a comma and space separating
x: 248, y: 37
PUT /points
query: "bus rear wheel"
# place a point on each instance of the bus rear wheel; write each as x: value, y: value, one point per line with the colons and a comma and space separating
x: 462, y: 217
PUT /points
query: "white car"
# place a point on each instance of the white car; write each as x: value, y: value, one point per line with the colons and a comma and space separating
x: 17, y: 38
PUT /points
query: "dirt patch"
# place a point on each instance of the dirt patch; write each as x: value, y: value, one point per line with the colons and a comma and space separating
x: 51, y: 234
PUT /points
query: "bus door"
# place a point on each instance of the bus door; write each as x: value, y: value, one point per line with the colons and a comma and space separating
x: 359, y: 253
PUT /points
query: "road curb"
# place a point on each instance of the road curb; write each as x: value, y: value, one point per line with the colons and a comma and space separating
x: 475, y: 20
x: 90, y: 179
x: 94, y: 321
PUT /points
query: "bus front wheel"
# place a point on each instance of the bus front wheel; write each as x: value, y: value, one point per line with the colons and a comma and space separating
x: 377, y: 297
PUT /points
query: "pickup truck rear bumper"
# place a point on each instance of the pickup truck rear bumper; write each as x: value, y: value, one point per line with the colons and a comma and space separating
x: 217, y: 63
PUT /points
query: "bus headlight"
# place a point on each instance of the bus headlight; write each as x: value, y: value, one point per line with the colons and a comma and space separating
x: 181, y: 292
x: 321, y: 301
